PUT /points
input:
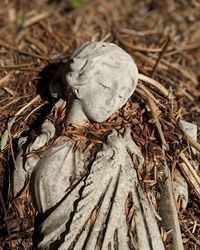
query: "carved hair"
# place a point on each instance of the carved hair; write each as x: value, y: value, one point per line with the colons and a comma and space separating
x: 105, y: 59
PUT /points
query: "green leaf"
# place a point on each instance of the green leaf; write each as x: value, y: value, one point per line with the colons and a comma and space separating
x: 75, y: 4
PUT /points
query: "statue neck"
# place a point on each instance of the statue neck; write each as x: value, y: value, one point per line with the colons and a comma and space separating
x: 76, y: 114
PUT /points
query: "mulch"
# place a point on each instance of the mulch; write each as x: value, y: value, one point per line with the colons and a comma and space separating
x: 37, y: 37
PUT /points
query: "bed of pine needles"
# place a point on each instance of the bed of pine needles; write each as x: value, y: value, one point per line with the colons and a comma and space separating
x: 37, y: 37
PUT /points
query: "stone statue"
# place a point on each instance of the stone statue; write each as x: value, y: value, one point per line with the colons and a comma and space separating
x: 84, y: 201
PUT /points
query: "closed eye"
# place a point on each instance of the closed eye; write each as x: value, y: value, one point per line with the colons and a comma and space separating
x: 105, y: 86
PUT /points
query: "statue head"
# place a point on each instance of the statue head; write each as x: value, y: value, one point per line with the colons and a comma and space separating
x: 102, y: 77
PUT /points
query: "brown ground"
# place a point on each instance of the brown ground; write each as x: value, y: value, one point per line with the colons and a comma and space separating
x: 37, y: 36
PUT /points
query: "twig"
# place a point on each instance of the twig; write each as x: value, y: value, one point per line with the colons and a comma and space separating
x: 148, y: 93
x: 5, y: 136
x: 190, y: 178
x: 150, y: 60
x: 35, y: 99
x: 191, y: 170
x: 137, y: 33
x: 35, y: 110
x: 189, y: 139
x: 6, y: 67
x: 183, y: 48
x: 5, y: 79
x: 153, y: 208
x: 155, y: 84
x: 5, y: 217
x: 141, y: 93
x: 137, y: 47
x: 36, y: 18
x: 13, y: 101
x: 54, y: 36
x: 187, y: 231
x: 184, y: 71
x: 160, y: 56
x: 27, y: 69
x: 7, y: 46
x: 11, y: 147
x: 37, y: 43
x: 155, y: 112
x: 106, y: 37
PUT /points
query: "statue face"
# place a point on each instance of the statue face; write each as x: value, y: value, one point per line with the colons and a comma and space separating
x: 104, y: 94
x: 102, y: 78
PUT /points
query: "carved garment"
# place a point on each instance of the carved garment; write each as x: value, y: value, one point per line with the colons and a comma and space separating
x: 105, y: 209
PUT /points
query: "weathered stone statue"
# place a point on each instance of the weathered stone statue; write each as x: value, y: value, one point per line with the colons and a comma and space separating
x: 90, y: 202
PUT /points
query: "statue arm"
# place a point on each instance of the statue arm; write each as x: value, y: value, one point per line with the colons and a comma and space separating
x: 27, y: 158
x: 132, y: 148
